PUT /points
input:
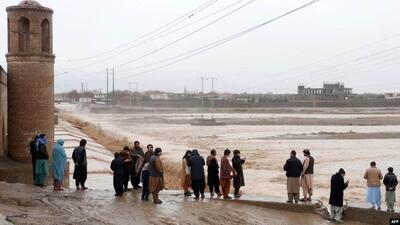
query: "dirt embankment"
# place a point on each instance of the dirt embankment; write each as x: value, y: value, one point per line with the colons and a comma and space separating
x: 116, y: 144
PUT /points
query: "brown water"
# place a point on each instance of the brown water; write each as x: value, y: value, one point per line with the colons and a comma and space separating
x: 265, y: 158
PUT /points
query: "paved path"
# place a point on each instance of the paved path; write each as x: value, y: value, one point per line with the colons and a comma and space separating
x: 99, y: 158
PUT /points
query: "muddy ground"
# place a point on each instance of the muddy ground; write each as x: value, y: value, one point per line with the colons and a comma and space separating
x: 42, y: 206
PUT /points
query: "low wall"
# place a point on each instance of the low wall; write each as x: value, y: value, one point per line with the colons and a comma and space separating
x: 362, y: 215
x: 14, y: 172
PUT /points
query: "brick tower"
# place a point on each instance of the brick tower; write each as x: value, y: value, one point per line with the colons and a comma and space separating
x: 30, y: 61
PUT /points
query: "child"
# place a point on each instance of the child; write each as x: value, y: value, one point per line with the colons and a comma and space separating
x: 145, y: 181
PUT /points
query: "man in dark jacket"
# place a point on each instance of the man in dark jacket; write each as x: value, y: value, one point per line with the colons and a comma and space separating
x: 238, y: 178
x: 127, y: 166
x: 117, y: 166
x: 293, y: 168
x: 196, y: 164
x: 390, y: 182
x: 80, y: 161
x: 336, y: 197
x: 34, y: 152
x: 213, y: 173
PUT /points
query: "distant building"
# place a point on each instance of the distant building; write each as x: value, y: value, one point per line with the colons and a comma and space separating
x: 392, y: 96
x: 330, y: 91
x: 159, y: 96
x: 100, y: 96
x: 85, y: 100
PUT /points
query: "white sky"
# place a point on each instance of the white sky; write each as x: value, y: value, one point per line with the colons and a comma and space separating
x: 357, y: 39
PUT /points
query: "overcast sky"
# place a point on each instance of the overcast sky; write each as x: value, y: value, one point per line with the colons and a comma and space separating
x: 353, y: 41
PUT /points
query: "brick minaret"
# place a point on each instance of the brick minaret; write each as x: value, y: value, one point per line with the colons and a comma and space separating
x: 30, y: 61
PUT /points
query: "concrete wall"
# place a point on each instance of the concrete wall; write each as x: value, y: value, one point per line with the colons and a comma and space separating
x: 3, y: 113
x: 362, y: 215
x: 15, y: 172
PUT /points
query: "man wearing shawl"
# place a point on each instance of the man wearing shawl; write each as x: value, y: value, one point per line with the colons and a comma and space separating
x: 156, y: 182
x: 127, y: 165
x: 137, y: 156
x: 41, y: 163
x: 59, y: 162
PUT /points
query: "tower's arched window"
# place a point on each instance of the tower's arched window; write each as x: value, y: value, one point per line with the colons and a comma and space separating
x: 45, y: 36
x: 23, y: 34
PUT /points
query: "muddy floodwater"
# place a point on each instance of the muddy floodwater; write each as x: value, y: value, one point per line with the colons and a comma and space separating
x: 267, y: 147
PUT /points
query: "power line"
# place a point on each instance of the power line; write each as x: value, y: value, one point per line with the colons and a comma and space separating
x: 197, y: 51
x: 184, y: 17
x: 161, y: 35
x: 185, y: 36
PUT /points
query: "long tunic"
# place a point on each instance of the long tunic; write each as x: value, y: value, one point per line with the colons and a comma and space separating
x: 212, y: 170
x: 337, y: 187
x: 196, y: 164
x: 117, y: 166
x: 226, y: 168
x: 41, y: 171
x: 59, y: 160
x: 80, y: 160
x: 186, y: 180
x: 156, y: 182
x: 237, y: 163
x: 137, y: 156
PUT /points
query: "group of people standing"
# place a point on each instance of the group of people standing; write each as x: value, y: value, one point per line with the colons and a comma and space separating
x: 40, y: 157
x: 138, y: 166
x: 193, y: 175
x: 301, y: 174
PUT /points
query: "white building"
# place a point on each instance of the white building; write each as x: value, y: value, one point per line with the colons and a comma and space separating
x: 159, y: 96
x: 392, y: 96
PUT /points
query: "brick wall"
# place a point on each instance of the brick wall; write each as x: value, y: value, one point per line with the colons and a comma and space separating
x: 30, y: 71
x: 3, y: 113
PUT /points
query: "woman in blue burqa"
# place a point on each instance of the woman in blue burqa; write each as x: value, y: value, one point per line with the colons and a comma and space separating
x: 59, y: 162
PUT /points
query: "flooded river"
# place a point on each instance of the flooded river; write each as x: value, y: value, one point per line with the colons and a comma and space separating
x: 266, y: 156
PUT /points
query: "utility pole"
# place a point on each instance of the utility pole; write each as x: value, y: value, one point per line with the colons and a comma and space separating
x: 113, y: 87
x: 107, y: 88
x: 130, y: 93
x: 137, y: 93
x: 212, y: 92
x: 202, y: 97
